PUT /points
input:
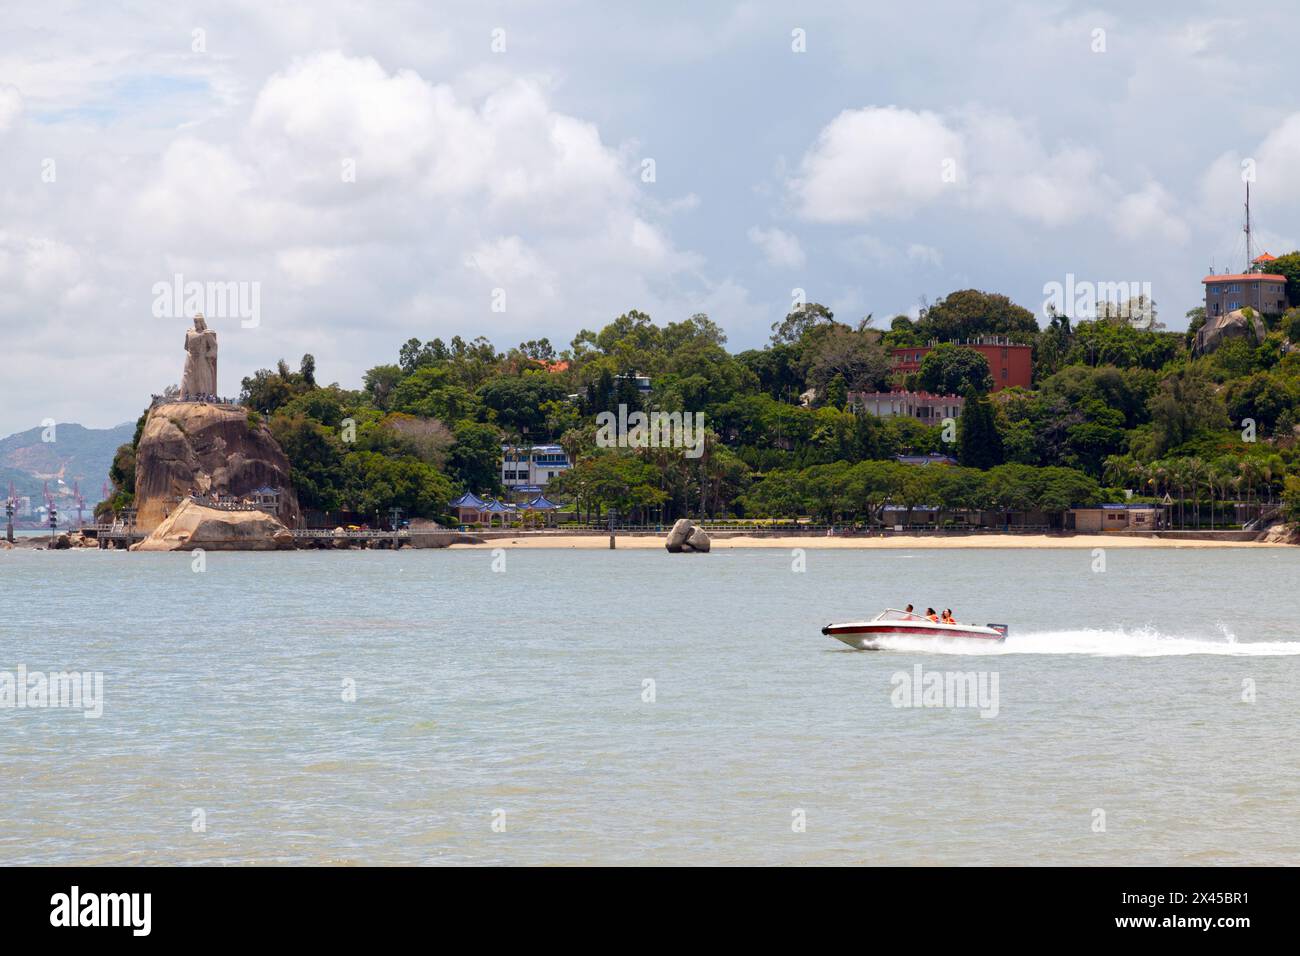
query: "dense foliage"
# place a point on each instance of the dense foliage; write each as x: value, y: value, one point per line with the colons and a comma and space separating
x: 1113, y: 407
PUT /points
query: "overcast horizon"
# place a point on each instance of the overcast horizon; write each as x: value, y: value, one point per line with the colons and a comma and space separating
x: 378, y: 174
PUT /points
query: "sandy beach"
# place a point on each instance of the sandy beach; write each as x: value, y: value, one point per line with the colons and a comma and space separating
x: 896, y: 542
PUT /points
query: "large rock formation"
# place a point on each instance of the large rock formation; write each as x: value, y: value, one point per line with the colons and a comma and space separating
x: 197, y: 448
x: 686, y: 536
x: 1237, y: 324
x: 1280, y: 533
x: 213, y: 529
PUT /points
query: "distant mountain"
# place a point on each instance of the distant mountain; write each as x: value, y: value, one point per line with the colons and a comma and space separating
x: 77, y: 454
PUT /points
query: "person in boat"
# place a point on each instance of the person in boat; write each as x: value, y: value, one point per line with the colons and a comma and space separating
x: 947, y: 617
x: 931, y: 616
x: 908, y: 611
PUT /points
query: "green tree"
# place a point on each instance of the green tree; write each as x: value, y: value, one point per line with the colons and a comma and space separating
x: 475, y: 460
x: 380, y: 381
x: 955, y: 370
x: 1289, y: 266
x: 374, y: 482
x: 516, y: 401
x: 315, y: 459
x: 1195, y: 321
x: 1262, y: 397
x: 837, y: 392
x: 856, y: 357
x: 431, y: 392
x: 266, y: 391
x: 799, y: 322
x: 969, y: 313
x: 979, y: 444
x: 1186, y: 403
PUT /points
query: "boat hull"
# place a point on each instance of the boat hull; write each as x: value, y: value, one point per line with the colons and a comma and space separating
x: 866, y: 635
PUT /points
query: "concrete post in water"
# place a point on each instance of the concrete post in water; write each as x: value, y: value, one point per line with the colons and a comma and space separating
x: 395, y: 518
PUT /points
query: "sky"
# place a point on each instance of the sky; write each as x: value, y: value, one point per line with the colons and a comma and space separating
x: 359, y: 173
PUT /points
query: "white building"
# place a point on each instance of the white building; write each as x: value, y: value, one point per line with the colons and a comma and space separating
x: 527, y: 469
x: 923, y: 406
x: 639, y: 381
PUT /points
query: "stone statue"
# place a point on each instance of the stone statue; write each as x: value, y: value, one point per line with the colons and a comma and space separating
x: 200, y: 377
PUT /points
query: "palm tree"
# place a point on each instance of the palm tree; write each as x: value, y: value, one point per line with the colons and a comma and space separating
x: 1249, y: 470
x: 1119, y: 470
x: 1176, y: 477
x: 1157, y: 474
x: 1274, y: 473
x: 1195, y: 472
x: 1224, y: 470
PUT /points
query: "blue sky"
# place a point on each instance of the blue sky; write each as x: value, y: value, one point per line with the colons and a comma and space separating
x: 1084, y: 139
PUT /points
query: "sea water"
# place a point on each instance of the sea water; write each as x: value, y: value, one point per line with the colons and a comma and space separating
x: 549, y: 706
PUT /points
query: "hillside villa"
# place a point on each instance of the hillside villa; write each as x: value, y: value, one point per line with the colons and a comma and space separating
x: 1265, y: 292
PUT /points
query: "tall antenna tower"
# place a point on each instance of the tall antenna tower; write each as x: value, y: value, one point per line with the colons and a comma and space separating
x: 1250, y: 251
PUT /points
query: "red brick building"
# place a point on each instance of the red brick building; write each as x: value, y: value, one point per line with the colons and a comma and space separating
x: 1010, y: 365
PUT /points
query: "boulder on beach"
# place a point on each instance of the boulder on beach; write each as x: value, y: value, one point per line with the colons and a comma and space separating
x: 698, y: 540
x: 200, y: 448
x: 1280, y: 534
x: 686, y: 536
x: 193, y: 526
x: 677, y: 536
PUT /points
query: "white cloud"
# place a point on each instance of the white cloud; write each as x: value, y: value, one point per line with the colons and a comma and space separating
x: 11, y: 105
x: 227, y: 165
x: 867, y: 250
x: 1012, y: 171
x: 1148, y: 216
x: 871, y: 252
x: 891, y: 163
x: 874, y: 162
x: 511, y: 153
x: 308, y: 265
x: 506, y: 260
x: 37, y: 265
x: 453, y: 197
x: 929, y: 255
x: 1272, y: 163
x: 779, y: 247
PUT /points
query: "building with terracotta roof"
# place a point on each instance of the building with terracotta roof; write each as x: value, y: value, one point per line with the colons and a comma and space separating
x: 1265, y: 292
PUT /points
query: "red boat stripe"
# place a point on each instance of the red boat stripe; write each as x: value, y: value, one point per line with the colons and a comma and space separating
x: 885, y: 629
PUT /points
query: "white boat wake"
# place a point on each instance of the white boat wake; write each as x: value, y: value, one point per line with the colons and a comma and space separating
x: 1118, y: 642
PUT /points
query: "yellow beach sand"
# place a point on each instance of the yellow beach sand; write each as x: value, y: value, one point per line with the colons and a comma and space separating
x: 893, y: 542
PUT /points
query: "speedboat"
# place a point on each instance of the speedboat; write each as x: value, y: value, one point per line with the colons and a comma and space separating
x: 866, y: 635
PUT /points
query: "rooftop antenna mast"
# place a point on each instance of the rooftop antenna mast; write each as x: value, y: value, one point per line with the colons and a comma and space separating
x: 1250, y: 252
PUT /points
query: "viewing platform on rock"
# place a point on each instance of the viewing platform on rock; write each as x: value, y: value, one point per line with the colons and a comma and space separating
x: 119, y: 533
x: 259, y: 499
x: 157, y: 400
